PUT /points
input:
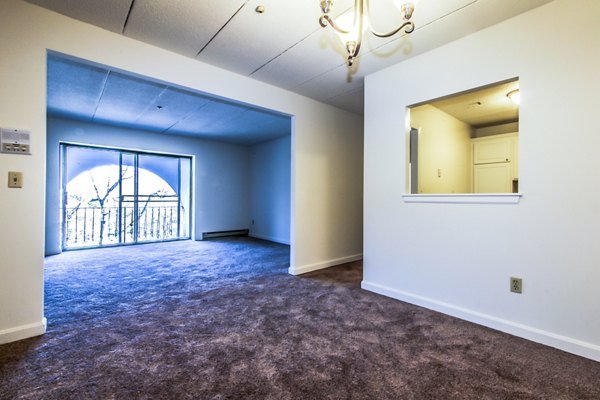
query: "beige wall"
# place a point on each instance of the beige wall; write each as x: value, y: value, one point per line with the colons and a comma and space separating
x: 444, y: 147
x: 326, y: 188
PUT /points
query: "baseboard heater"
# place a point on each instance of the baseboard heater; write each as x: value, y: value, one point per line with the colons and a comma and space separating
x: 239, y: 232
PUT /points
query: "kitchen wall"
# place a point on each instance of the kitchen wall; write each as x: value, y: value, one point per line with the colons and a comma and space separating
x: 444, y: 151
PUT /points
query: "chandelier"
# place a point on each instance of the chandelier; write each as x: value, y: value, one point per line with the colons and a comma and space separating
x: 352, y: 38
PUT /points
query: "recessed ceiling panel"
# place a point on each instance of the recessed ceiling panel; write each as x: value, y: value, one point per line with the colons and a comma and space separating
x: 214, y: 117
x: 125, y: 98
x: 170, y: 107
x: 93, y: 93
x: 256, y: 122
x: 182, y: 26
x: 107, y: 14
x: 74, y: 89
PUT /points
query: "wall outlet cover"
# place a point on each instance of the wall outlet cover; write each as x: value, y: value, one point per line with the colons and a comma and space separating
x: 516, y: 285
x: 15, y: 179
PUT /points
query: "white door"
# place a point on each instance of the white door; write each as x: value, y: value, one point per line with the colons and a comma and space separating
x: 492, y: 178
x: 492, y: 151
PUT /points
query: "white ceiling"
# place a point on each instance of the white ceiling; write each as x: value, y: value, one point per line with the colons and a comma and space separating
x: 482, y: 107
x: 285, y: 45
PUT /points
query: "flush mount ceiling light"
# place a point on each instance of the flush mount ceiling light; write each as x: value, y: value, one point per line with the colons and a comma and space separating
x: 352, y: 37
x: 515, y: 96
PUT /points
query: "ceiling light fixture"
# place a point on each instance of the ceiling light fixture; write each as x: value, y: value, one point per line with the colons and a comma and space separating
x: 515, y: 96
x: 352, y: 36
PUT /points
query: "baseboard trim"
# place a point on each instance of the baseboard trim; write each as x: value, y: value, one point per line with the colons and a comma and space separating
x: 23, y: 332
x: 565, y: 343
x: 218, y: 234
x: 269, y: 238
x: 293, y: 270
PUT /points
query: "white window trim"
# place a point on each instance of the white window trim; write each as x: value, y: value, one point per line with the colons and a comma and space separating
x: 464, y: 198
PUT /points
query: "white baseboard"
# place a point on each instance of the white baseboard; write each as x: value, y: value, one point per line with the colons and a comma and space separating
x: 575, y: 346
x: 293, y: 270
x: 23, y: 332
x: 269, y: 238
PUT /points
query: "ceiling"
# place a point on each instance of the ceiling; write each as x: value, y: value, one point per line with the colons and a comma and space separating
x: 482, y: 107
x: 97, y: 94
x: 285, y: 45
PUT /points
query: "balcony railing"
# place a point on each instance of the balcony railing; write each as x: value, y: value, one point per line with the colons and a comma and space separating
x: 157, y: 220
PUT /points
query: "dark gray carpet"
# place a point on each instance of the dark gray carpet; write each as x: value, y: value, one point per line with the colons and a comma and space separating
x: 224, y: 320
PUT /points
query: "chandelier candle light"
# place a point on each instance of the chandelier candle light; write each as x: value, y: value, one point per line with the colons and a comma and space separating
x: 352, y: 37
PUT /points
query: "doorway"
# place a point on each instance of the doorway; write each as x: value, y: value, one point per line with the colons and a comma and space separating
x: 114, y: 197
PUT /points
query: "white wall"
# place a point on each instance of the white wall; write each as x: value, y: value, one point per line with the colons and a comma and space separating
x: 270, y: 169
x: 326, y: 222
x: 444, y: 151
x: 457, y: 258
x: 221, y: 178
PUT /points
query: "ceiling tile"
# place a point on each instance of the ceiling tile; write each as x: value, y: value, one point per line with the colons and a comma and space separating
x: 82, y: 91
x: 183, y: 26
x: 272, y: 34
x: 377, y: 52
x: 107, y: 14
x: 213, y: 118
x: 352, y: 101
x: 170, y: 107
x: 74, y: 88
x: 285, y: 46
x: 335, y: 82
x: 317, y: 54
x: 482, y: 107
x: 125, y: 98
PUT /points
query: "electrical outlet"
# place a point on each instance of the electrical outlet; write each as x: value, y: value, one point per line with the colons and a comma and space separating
x: 516, y: 285
x: 15, y: 179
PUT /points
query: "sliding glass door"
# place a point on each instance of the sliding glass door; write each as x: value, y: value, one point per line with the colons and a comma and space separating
x: 113, y: 197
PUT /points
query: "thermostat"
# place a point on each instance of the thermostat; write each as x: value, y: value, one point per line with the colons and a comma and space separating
x: 14, y: 141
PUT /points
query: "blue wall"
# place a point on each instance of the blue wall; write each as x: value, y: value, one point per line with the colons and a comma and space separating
x: 221, y: 173
x: 270, y: 171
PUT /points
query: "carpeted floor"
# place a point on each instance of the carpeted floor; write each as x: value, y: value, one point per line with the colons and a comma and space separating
x: 223, y: 320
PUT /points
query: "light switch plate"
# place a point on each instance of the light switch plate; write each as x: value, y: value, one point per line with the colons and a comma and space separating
x: 15, y: 141
x: 15, y: 179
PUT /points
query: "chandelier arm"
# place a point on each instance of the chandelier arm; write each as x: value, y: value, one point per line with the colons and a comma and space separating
x: 409, y: 25
x: 358, y: 5
x: 357, y: 48
x: 327, y: 20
